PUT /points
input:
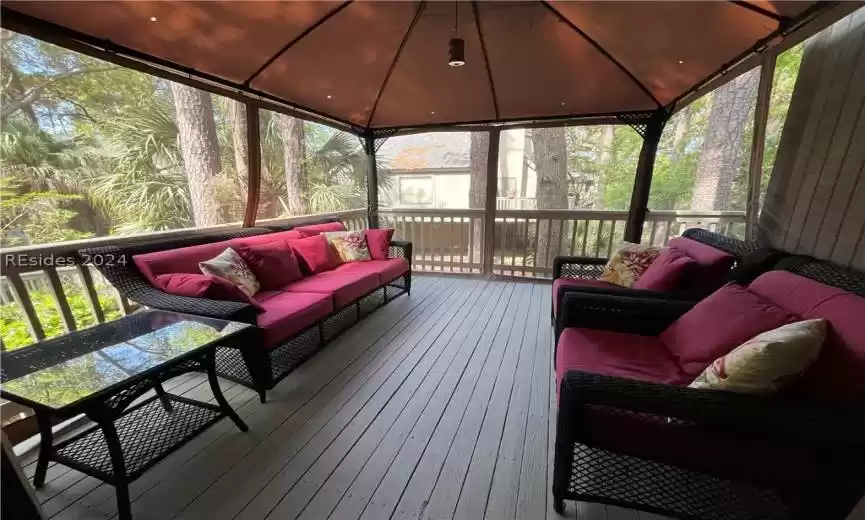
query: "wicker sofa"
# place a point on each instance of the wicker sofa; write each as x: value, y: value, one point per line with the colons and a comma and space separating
x: 631, y: 433
x: 293, y: 321
x: 718, y: 258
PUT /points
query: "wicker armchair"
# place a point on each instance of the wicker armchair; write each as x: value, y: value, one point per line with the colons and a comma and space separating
x: 655, y: 447
x: 750, y: 261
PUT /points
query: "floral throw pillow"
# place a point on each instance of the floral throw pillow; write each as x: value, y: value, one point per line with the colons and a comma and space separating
x: 767, y: 362
x: 229, y: 265
x: 351, y: 246
x: 628, y: 263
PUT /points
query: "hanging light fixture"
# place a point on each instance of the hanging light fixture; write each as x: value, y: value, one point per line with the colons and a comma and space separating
x: 456, y: 46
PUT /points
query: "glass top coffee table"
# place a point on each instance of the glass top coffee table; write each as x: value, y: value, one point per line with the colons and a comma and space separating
x: 104, y: 372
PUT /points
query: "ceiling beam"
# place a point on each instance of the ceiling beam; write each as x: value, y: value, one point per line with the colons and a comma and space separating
x: 477, y: 14
x: 759, y: 10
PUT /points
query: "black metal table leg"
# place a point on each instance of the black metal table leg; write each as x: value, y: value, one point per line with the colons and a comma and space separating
x: 120, y: 480
x: 166, y: 402
x: 46, y: 440
x: 217, y: 392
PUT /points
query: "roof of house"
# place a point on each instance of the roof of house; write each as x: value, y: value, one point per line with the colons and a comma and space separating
x: 427, y: 151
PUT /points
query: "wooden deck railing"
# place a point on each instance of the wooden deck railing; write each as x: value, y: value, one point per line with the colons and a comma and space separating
x: 526, y: 242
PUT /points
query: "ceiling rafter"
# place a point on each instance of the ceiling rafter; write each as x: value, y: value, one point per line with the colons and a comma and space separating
x: 477, y: 14
x: 299, y: 37
x: 603, y: 51
x: 405, y: 37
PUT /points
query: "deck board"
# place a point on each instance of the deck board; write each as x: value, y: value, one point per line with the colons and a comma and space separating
x: 439, y: 405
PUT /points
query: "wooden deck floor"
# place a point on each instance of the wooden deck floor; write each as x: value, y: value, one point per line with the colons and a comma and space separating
x: 436, y: 406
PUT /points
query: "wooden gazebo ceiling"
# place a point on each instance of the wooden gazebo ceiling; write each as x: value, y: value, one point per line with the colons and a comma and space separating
x: 384, y: 64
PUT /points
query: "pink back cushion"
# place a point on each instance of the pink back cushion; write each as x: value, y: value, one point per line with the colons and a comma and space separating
x: 713, y: 265
x: 317, y: 255
x: 317, y: 229
x: 718, y: 324
x: 839, y: 372
x: 378, y: 242
x: 273, y: 263
x: 180, y: 260
x: 269, y: 237
x: 669, y: 272
x: 203, y: 286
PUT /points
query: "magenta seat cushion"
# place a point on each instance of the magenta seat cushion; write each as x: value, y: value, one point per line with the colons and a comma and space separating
x: 385, y: 270
x: 718, y: 324
x: 273, y: 263
x: 671, y: 271
x: 839, y: 372
x: 616, y: 354
x: 288, y: 313
x: 378, y: 242
x: 576, y: 282
x: 180, y: 260
x: 203, y: 286
x: 344, y: 286
x: 317, y: 255
x: 713, y: 265
x: 317, y: 229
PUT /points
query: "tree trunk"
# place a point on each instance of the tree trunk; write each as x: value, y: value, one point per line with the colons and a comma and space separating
x: 478, y: 154
x: 606, y: 161
x: 198, y: 146
x: 720, y: 157
x: 291, y: 133
x: 683, y: 123
x: 552, y: 192
x: 240, y: 145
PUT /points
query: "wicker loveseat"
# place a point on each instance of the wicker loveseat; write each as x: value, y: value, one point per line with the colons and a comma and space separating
x: 631, y: 433
x: 294, y: 321
x: 718, y: 258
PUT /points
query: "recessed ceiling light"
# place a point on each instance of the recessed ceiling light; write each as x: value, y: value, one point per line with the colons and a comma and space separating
x: 432, y: 113
x: 152, y: 18
x: 329, y: 96
x: 681, y: 62
x: 563, y: 103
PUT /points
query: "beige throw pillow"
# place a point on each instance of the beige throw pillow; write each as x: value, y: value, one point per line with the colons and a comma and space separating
x: 629, y: 262
x: 229, y: 265
x: 766, y: 362
x: 351, y: 246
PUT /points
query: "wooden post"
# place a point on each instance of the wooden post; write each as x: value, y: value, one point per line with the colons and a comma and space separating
x: 490, y: 201
x: 253, y: 182
x: 643, y: 180
x: 371, y: 181
x: 755, y: 169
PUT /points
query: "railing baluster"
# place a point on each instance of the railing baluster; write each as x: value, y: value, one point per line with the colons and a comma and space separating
x: 559, y: 240
x: 653, y: 232
x: 422, y: 250
x: 514, y: 246
x: 574, y: 226
x: 598, y: 238
x: 612, y: 237
x: 585, y: 237
x: 668, y: 232
x: 59, y: 295
x: 450, y: 244
x: 90, y: 293
x: 22, y: 298
x: 525, y: 246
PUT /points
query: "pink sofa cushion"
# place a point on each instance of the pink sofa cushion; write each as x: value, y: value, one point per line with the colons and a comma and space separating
x: 713, y: 265
x: 378, y: 242
x: 385, y: 270
x: 203, y: 286
x: 317, y: 229
x: 316, y: 254
x: 671, y: 271
x: 576, y: 282
x: 288, y: 313
x: 839, y: 372
x: 180, y: 260
x: 273, y: 263
x: 617, y: 354
x: 344, y: 286
x: 718, y: 324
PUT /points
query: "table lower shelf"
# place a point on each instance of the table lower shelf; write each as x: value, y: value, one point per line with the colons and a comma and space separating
x: 147, y: 432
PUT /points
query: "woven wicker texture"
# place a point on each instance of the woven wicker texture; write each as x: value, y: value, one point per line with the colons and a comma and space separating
x: 145, y: 434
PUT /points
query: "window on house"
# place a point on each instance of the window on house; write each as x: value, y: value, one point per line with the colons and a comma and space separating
x: 416, y: 191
